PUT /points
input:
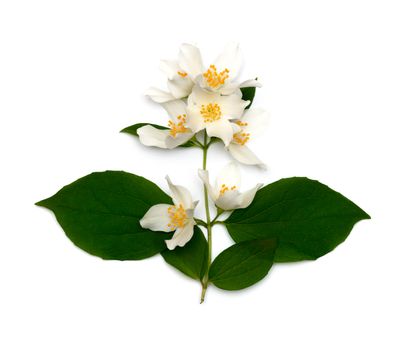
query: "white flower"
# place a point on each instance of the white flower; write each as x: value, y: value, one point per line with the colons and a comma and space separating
x: 178, y: 132
x: 212, y: 111
x: 221, y: 75
x: 177, y: 217
x: 225, y: 193
x: 189, y: 69
x: 251, y: 124
x: 180, y: 75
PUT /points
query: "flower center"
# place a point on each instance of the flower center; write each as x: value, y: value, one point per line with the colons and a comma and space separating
x: 177, y: 127
x: 225, y: 189
x: 211, y: 112
x: 241, y: 137
x: 182, y: 74
x: 177, y: 216
x: 215, y: 79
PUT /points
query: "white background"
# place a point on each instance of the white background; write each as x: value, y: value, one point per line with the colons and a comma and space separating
x: 336, y: 78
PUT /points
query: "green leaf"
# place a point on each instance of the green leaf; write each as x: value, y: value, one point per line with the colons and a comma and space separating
x: 243, y: 264
x: 132, y: 130
x: 100, y: 213
x: 308, y: 218
x: 190, y: 259
x: 248, y: 94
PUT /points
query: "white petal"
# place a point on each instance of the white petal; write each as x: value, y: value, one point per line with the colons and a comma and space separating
x: 230, y: 88
x: 180, y: 87
x: 158, y: 95
x: 250, y: 83
x: 204, y: 176
x: 190, y: 212
x: 195, y: 121
x: 200, y: 81
x: 257, y: 120
x: 236, y: 128
x: 238, y: 92
x: 174, y: 108
x: 150, y: 136
x: 181, y: 236
x: 244, y: 155
x: 157, y: 218
x: 179, y: 139
x: 232, y: 106
x: 229, y: 176
x: 247, y: 197
x: 230, y: 200
x: 170, y: 68
x: 230, y: 58
x: 202, y: 96
x: 190, y: 60
x: 180, y: 195
x: 222, y: 129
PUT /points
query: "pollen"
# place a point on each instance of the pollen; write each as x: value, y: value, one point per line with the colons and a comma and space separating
x: 215, y: 79
x: 177, y: 127
x: 177, y: 216
x: 182, y: 74
x: 211, y: 112
x: 238, y: 122
x: 241, y: 138
x: 225, y: 189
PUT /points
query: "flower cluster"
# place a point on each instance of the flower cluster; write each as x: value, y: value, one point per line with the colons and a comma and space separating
x: 203, y: 100
x: 282, y: 222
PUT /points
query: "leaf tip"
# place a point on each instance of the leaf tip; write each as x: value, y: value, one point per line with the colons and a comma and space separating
x: 363, y: 215
x: 42, y: 203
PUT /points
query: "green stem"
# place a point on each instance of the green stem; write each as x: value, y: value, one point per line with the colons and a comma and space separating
x: 205, y: 280
x: 217, y: 222
x: 200, y: 222
x: 197, y: 144
x: 219, y: 213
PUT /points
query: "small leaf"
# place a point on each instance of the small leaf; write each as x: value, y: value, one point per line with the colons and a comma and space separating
x: 248, y: 94
x: 190, y: 259
x: 132, y: 130
x: 243, y: 264
x: 100, y: 213
x: 308, y: 218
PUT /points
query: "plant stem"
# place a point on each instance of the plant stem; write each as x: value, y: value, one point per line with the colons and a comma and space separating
x: 217, y: 222
x: 205, y: 280
x: 200, y: 222
x: 219, y: 213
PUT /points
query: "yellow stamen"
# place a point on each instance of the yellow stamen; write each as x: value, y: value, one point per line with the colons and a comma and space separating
x: 225, y: 188
x: 177, y: 127
x: 241, y: 137
x: 177, y: 215
x: 182, y: 74
x: 211, y: 112
x: 215, y: 79
x: 238, y: 122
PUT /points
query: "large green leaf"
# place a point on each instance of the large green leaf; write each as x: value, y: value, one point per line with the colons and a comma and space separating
x: 308, y: 218
x: 100, y: 213
x: 132, y: 130
x: 243, y: 264
x: 190, y: 259
x: 248, y: 94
